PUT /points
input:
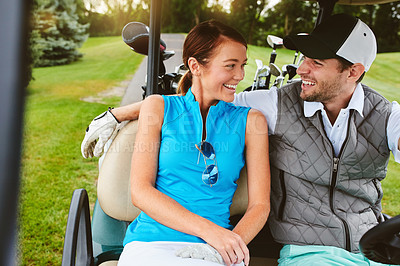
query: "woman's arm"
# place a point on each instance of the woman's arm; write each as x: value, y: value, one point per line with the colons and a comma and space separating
x: 161, y: 207
x: 258, y: 177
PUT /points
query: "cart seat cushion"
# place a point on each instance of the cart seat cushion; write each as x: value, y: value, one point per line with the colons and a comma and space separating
x: 113, y: 189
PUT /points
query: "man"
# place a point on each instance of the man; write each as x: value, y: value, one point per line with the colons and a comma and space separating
x: 330, y: 141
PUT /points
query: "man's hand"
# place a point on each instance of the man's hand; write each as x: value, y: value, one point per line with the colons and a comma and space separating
x: 200, y: 251
x: 103, y: 127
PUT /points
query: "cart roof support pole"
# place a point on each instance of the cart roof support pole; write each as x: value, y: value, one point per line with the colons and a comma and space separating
x: 325, y: 10
x: 154, y: 48
x: 13, y: 78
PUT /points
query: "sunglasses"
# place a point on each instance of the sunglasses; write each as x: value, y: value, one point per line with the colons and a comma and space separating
x: 210, y: 175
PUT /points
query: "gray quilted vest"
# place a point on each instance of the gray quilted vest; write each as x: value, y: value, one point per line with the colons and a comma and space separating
x: 317, y: 199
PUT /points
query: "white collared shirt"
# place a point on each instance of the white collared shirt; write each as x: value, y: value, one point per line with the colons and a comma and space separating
x: 266, y: 101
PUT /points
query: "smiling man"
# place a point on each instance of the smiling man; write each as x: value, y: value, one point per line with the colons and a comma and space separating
x: 330, y: 141
x: 331, y: 138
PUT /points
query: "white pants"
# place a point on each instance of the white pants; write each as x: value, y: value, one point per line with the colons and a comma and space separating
x: 160, y: 253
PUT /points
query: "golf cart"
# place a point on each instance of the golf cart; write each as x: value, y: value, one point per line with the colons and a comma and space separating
x: 100, y: 242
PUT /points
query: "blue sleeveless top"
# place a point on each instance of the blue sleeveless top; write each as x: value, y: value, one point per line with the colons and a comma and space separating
x: 181, y: 165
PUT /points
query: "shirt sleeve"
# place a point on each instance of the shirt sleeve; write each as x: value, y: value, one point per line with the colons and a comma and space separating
x: 265, y: 101
x: 393, y: 131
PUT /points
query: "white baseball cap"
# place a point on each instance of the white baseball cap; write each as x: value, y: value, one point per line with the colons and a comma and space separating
x: 339, y: 35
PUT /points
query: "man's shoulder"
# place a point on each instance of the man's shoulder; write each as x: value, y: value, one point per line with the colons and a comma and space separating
x: 374, y: 101
x: 371, y: 93
x: 290, y: 93
x: 291, y: 87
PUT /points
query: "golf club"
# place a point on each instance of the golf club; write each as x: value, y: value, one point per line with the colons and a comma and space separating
x: 274, y: 42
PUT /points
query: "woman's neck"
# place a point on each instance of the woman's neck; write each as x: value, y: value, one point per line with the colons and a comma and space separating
x: 204, y: 100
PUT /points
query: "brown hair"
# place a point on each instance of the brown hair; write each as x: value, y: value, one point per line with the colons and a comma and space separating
x: 345, y: 64
x: 201, y: 43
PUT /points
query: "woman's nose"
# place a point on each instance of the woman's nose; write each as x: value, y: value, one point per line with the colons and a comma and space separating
x: 239, y: 74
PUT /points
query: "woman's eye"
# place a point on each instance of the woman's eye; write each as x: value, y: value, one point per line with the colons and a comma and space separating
x: 230, y: 66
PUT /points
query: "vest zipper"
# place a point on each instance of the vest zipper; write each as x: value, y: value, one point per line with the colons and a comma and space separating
x: 331, y: 202
x: 333, y: 184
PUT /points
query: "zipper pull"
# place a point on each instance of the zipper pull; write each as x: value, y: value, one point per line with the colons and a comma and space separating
x: 335, y: 164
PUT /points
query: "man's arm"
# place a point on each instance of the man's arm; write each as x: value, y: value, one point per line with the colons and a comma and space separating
x: 127, y: 112
x: 393, y: 131
x: 105, y: 127
x: 265, y: 101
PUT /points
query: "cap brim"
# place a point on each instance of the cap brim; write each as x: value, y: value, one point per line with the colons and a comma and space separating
x: 308, y: 45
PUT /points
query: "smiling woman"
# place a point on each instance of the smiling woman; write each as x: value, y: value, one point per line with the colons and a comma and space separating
x: 167, y: 185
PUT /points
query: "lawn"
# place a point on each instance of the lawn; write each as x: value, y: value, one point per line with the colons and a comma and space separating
x: 55, y: 120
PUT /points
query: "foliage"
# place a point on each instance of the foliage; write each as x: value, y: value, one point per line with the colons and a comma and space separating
x: 116, y: 15
x: 181, y: 16
x: 255, y: 19
x: 247, y: 13
x: 387, y: 27
x: 57, y: 32
x: 290, y: 16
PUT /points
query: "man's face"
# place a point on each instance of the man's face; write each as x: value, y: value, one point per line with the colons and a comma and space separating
x: 322, y: 80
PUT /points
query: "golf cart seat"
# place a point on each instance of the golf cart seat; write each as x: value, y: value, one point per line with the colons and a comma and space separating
x: 101, y: 242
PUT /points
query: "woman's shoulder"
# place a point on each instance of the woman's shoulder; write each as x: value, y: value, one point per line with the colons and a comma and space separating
x: 256, y: 122
x: 153, y: 104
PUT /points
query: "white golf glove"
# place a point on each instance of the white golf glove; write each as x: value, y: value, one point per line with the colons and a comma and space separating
x: 200, y: 251
x: 103, y: 127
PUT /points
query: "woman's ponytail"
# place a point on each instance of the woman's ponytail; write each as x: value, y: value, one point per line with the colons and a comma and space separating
x: 185, y: 83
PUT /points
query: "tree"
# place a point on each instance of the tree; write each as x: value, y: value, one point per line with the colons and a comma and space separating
x: 181, y: 16
x: 387, y: 27
x: 246, y: 15
x: 57, y: 32
x: 290, y: 17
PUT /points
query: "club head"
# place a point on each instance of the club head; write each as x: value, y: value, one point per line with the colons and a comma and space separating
x: 291, y: 70
x: 167, y: 54
x: 265, y: 69
x: 136, y: 35
x: 301, y: 58
x: 180, y: 69
x: 260, y: 80
x: 274, y: 41
x: 275, y: 71
x: 284, y: 70
x: 259, y: 63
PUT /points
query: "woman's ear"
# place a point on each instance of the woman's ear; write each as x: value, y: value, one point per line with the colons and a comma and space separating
x: 356, y: 70
x: 194, y: 66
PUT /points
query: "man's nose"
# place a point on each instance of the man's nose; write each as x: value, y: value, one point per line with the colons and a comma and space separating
x: 302, y: 69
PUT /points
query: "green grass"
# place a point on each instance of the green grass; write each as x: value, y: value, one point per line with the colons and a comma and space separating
x: 55, y: 120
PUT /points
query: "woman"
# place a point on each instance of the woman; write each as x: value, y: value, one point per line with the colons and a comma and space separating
x: 189, y: 151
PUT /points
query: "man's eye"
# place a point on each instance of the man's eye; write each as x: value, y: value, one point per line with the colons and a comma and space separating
x: 317, y: 63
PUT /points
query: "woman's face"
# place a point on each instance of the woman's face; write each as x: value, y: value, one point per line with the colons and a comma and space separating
x: 225, y: 69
